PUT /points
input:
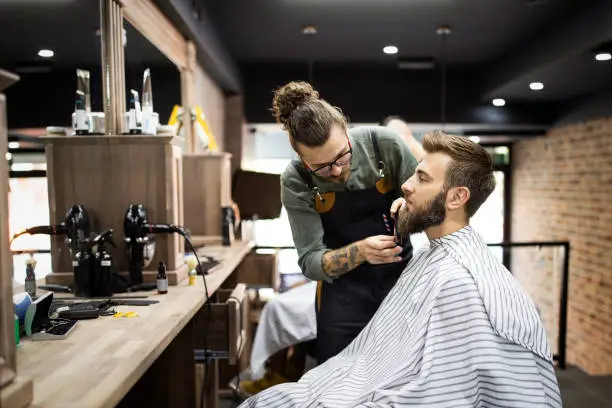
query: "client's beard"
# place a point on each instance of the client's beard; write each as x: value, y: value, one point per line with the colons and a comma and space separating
x: 419, y: 219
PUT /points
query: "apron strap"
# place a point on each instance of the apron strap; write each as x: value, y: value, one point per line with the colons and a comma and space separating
x: 379, y: 162
x: 307, y: 177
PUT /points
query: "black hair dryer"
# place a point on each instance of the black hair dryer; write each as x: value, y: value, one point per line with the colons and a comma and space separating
x: 140, y: 239
x: 140, y: 243
x: 103, y: 269
x: 76, y: 226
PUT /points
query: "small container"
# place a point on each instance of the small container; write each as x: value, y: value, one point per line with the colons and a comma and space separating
x: 162, y: 279
x: 16, y: 329
x: 192, y: 277
x: 30, y: 280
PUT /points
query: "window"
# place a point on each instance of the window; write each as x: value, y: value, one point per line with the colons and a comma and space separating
x: 29, y: 206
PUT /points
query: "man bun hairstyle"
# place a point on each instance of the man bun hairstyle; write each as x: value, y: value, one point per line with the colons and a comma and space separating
x: 307, y: 117
x: 471, y: 166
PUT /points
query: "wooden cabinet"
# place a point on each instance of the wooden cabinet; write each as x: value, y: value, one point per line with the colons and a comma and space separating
x: 206, y: 190
x: 105, y: 174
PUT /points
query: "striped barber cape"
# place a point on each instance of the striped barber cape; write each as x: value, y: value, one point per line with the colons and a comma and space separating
x: 455, y: 331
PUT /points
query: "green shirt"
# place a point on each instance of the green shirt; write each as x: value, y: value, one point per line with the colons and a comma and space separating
x: 305, y: 221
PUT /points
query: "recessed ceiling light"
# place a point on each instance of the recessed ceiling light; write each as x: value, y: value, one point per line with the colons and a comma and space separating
x: 536, y: 86
x: 499, y: 102
x: 9, y: 156
x: 46, y: 53
x: 309, y: 30
x: 390, y: 49
x: 13, y: 145
x: 474, y: 139
x: 603, y: 56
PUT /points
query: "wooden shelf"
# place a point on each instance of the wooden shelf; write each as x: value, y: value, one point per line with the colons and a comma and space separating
x: 113, y: 140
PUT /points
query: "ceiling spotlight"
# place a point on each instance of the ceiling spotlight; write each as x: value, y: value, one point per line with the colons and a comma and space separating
x: 309, y: 30
x: 474, y: 139
x: 390, y: 49
x: 603, y: 56
x: 443, y: 30
x: 536, y: 86
x: 499, y: 102
x: 46, y: 53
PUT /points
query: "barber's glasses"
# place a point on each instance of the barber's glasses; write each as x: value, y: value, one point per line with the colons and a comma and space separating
x: 341, y: 161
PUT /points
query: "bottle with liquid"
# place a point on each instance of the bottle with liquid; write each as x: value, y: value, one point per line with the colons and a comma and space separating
x: 192, y: 277
x: 162, y: 279
x: 30, y: 280
x: 16, y: 329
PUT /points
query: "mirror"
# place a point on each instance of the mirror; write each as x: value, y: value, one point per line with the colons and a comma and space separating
x: 165, y: 78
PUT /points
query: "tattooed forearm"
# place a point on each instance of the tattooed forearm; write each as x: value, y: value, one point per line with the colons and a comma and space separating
x: 340, y: 261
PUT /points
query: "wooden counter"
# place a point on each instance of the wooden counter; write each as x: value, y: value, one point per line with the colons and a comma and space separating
x: 102, y: 359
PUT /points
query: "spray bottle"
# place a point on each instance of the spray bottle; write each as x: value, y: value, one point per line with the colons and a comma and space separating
x: 103, y: 271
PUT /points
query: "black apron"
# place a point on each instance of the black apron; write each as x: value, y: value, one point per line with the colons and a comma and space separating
x: 344, y: 307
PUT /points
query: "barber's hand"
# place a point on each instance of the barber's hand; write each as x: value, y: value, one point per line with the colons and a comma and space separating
x: 396, y: 207
x: 380, y: 249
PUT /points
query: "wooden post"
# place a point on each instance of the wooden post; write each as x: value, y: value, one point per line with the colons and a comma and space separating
x: 188, y: 97
x: 113, y: 67
x: 15, y: 392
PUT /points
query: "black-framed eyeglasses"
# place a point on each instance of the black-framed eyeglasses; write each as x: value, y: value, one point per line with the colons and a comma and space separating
x: 341, y: 161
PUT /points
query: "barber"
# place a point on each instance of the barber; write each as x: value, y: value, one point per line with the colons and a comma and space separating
x: 338, y: 196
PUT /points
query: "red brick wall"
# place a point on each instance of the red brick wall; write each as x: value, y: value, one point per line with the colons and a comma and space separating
x: 562, y: 190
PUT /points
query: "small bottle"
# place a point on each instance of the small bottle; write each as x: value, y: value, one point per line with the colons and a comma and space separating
x: 30, y: 280
x: 162, y: 279
x: 192, y: 277
x: 16, y: 329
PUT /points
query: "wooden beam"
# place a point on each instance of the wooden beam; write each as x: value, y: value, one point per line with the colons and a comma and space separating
x: 188, y: 82
x: 147, y: 18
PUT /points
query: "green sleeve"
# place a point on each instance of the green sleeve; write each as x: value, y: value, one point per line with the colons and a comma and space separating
x: 400, y: 164
x: 306, y: 225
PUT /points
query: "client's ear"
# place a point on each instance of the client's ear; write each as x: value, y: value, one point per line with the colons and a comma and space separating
x: 457, y: 197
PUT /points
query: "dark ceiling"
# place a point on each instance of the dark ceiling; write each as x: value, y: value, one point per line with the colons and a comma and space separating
x: 69, y: 28
x: 356, y: 30
x: 504, y: 44
x: 496, y: 48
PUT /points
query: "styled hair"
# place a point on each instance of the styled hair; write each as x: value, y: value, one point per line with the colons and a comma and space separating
x: 471, y: 166
x: 306, y: 117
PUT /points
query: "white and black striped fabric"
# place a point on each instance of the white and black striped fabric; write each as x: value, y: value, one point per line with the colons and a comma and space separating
x: 455, y: 331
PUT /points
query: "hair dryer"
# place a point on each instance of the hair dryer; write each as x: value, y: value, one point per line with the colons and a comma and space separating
x: 76, y: 227
x: 140, y: 239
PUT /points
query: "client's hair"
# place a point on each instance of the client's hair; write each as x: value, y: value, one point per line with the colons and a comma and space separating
x: 471, y: 166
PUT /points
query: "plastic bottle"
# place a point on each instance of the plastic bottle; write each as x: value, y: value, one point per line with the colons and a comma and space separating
x: 162, y: 279
x: 16, y: 329
x: 192, y: 277
x: 30, y: 280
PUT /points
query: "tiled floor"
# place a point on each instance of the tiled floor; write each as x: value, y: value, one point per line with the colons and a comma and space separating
x: 577, y: 388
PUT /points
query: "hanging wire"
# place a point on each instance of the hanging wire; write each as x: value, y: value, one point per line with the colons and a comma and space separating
x: 310, y: 32
x: 443, y: 32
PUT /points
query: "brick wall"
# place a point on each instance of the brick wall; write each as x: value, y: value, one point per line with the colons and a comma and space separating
x: 562, y: 190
